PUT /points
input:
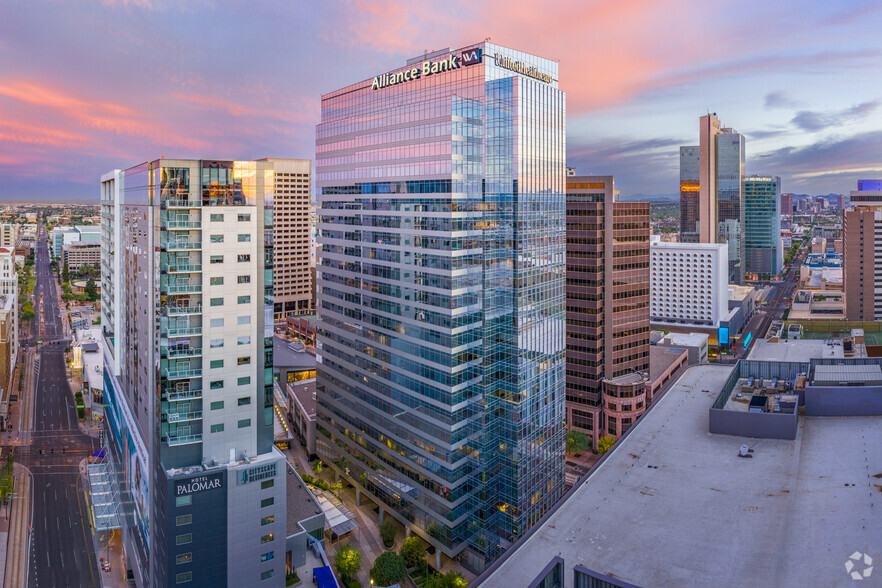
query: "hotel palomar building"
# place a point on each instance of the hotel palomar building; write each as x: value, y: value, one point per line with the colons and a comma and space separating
x: 441, y: 187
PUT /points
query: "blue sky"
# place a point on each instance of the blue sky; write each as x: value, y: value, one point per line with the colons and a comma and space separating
x: 88, y: 86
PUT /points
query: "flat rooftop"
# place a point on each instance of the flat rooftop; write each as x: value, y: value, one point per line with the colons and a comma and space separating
x: 661, y: 358
x: 674, y: 505
x: 685, y: 339
x: 800, y: 350
x: 290, y: 354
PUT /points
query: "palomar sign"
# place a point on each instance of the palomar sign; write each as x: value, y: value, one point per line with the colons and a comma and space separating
x: 199, y: 484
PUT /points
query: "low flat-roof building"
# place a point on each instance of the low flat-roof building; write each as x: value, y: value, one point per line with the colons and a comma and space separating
x: 665, y: 365
x: 695, y: 343
x: 674, y: 505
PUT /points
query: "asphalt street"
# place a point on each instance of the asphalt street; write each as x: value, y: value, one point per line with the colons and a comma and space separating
x: 62, y: 553
x: 779, y: 299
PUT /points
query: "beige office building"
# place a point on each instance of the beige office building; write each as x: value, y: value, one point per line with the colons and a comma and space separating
x: 80, y: 253
x: 862, y: 253
x: 292, y: 291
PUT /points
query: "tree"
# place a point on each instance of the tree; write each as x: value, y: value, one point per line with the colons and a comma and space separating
x: 451, y: 579
x: 412, y: 551
x: 347, y: 561
x: 318, y: 468
x: 91, y: 290
x: 577, y: 441
x: 388, y: 531
x: 605, y: 443
x: 388, y: 569
x: 65, y: 273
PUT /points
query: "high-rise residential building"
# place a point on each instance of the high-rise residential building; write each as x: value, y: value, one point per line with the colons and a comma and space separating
x: 720, y: 215
x: 787, y: 203
x: 440, y: 387
x: 607, y: 305
x: 862, y: 253
x: 9, y: 315
x: 762, y: 226
x: 292, y: 288
x: 689, y: 195
x: 186, y: 317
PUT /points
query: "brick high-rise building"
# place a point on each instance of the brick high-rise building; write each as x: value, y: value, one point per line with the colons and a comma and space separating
x: 607, y: 297
x: 862, y: 253
x: 787, y: 203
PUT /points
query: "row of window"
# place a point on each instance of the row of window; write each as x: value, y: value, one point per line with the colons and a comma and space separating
x: 219, y: 363
x: 239, y: 300
x: 219, y: 280
x: 242, y: 238
x: 242, y: 258
x: 219, y: 218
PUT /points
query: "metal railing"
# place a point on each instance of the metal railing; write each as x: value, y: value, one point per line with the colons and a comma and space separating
x: 173, y: 374
x: 183, y: 288
x: 171, y: 352
x: 179, y: 310
x: 182, y: 439
x: 181, y: 267
x: 179, y: 417
x: 184, y: 331
x: 181, y: 225
x: 181, y: 245
x: 174, y: 395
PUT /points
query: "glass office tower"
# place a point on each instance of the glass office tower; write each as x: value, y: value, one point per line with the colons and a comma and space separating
x: 730, y: 160
x: 762, y: 226
x: 441, y: 293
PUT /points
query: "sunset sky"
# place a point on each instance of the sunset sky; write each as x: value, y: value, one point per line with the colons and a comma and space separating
x: 88, y: 86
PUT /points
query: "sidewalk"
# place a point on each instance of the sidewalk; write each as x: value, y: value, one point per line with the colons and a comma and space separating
x: 15, y: 543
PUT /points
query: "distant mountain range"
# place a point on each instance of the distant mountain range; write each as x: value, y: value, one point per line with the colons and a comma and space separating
x: 676, y: 197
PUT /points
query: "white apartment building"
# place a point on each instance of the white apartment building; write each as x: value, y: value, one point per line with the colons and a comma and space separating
x: 688, y: 283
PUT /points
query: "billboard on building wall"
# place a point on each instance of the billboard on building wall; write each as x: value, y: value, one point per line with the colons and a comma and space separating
x: 135, y: 461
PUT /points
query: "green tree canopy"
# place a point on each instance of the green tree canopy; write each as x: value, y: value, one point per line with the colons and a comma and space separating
x: 577, y: 441
x: 451, y: 579
x: 412, y: 551
x: 347, y: 561
x: 605, y: 443
x: 388, y: 531
x: 388, y: 569
x: 91, y: 289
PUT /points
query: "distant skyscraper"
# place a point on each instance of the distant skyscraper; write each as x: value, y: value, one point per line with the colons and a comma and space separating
x: 721, y: 163
x: 862, y: 253
x: 787, y: 203
x: 292, y: 233
x: 607, y: 303
x: 441, y: 326
x: 840, y: 202
x: 187, y: 317
x: 762, y: 225
x: 689, y: 195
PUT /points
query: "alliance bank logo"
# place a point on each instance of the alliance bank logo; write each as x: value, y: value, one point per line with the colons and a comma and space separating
x: 471, y: 57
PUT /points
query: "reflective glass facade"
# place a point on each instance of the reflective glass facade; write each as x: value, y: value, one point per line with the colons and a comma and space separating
x: 762, y: 226
x: 730, y: 202
x: 441, y: 293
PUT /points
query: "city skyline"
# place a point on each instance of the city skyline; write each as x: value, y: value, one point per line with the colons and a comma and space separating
x: 795, y: 78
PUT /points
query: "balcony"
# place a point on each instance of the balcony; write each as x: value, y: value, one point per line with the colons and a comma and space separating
x: 184, y: 331
x: 183, y: 288
x: 180, y: 203
x: 181, y: 310
x: 172, y: 353
x: 174, y: 268
x: 182, y: 374
x: 181, y: 417
x: 182, y: 439
x: 175, y: 395
x: 181, y: 225
x: 181, y: 245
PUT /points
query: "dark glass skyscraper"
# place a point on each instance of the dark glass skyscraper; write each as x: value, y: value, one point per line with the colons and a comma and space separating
x: 441, y: 293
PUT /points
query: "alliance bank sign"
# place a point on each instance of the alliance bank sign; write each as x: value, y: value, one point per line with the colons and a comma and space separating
x: 428, y: 68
